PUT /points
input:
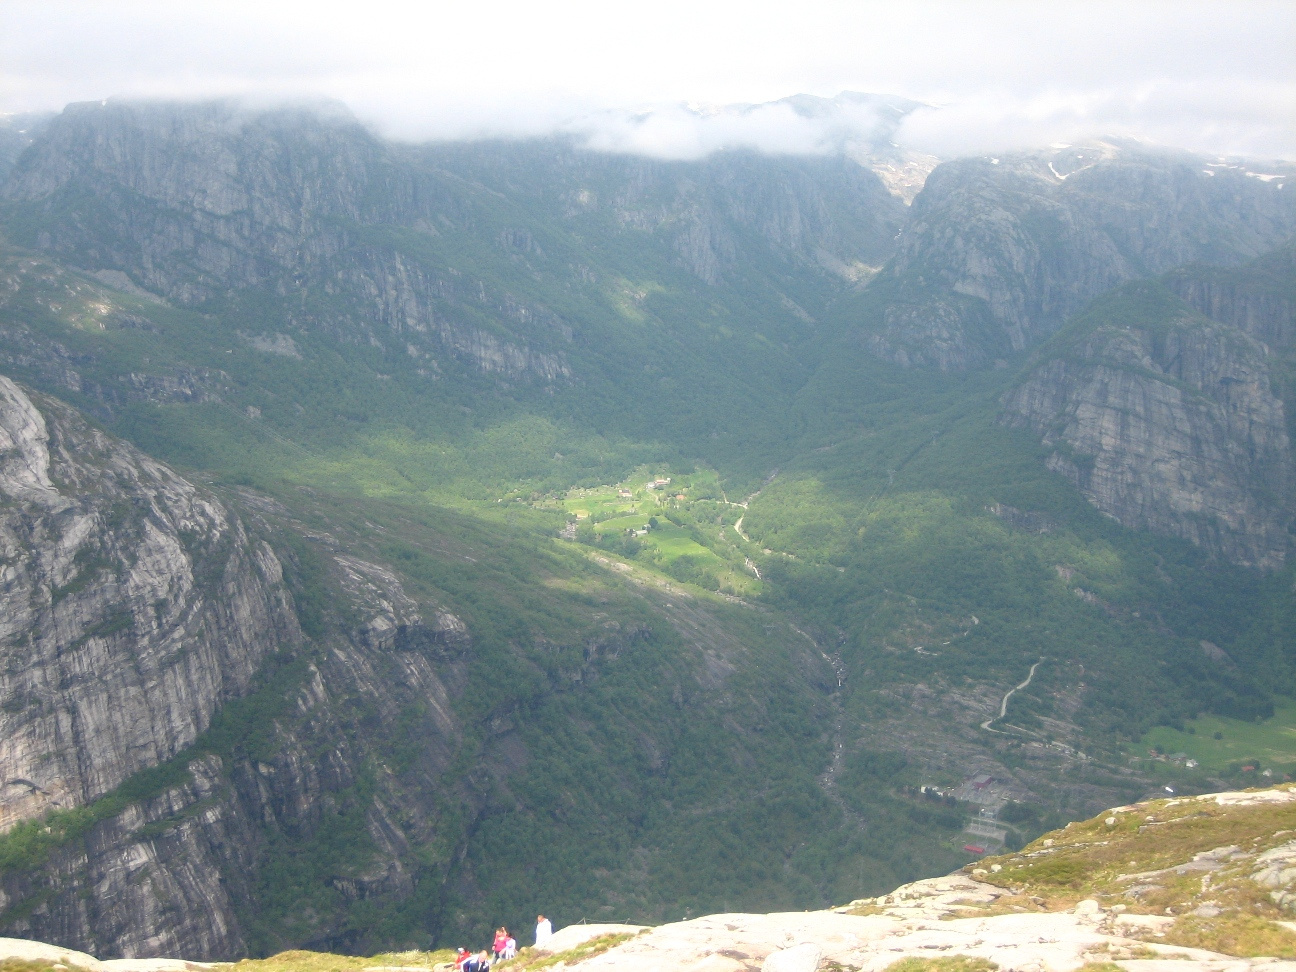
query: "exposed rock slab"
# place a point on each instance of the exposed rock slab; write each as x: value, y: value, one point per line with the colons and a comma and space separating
x: 916, y: 920
x: 28, y: 951
x: 918, y: 923
x: 574, y: 935
x: 135, y: 604
x: 1167, y: 424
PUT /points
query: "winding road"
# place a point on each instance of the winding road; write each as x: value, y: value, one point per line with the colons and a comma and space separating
x: 1003, y: 706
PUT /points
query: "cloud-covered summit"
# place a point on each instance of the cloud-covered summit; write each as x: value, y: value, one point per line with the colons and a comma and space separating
x: 976, y: 76
x: 851, y: 123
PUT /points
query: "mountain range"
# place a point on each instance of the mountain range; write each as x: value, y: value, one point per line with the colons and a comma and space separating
x: 401, y: 539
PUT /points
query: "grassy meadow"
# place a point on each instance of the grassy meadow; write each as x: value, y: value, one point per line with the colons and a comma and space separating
x: 1265, y: 744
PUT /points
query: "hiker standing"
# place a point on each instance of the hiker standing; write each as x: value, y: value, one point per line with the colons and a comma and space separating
x: 501, y: 942
x: 544, y: 931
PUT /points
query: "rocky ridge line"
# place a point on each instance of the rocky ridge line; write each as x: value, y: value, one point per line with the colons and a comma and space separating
x: 999, y: 252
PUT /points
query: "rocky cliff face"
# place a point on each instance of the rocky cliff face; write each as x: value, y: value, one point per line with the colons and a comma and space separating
x: 141, y: 604
x: 179, y: 872
x: 1259, y: 298
x: 135, y: 605
x: 716, y: 216
x: 1167, y: 421
x: 721, y: 213
x: 194, y: 202
x: 999, y: 252
x: 432, y: 249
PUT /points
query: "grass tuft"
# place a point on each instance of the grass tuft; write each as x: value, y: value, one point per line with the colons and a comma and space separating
x: 945, y: 963
x: 298, y: 960
x: 529, y: 959
x: 37, y: 965
x: 1240, y: 934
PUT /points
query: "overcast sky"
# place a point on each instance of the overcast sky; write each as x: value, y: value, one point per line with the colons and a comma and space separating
x: 1213, y: 76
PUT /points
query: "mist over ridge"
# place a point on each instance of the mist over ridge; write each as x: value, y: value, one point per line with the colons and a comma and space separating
x: 687, y: 79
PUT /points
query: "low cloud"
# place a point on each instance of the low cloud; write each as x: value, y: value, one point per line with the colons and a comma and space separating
x: 1218, y: 118
x: 814, y: 127
x: 1210, y: 75
x: 1212, y: 119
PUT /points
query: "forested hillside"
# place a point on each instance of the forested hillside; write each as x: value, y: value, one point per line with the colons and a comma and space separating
x: 636, y: 539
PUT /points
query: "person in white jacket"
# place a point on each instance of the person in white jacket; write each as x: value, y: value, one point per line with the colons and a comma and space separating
x: 544, y: 931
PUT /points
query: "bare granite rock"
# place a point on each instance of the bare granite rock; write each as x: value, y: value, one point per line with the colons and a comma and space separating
x: 1168, y: 424
x: 135, y: 605
x: 138, y: 604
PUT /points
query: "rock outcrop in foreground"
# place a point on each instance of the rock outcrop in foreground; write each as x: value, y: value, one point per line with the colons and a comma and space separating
x: 1196, y: 884
x: 1189, y: 885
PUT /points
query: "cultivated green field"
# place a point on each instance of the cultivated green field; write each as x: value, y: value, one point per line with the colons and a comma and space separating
x: 674, y: 542
x: 634, y: 521
x: 688, y: 539
x: 1270, y: 744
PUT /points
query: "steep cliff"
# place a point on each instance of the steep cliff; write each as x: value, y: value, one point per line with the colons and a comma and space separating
x: 1259, y: 298
x: 999, y: 252
x: 201, y: 758
x: 468, y: 253
x: 138, y: 609
x: 135, y: 605
x: 717, y: 217
x: 194, y: 202
x: 1166, y: 421
x: 268, y: 833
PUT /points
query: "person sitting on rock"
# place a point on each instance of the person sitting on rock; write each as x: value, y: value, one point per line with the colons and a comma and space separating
x: 510, y: 948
